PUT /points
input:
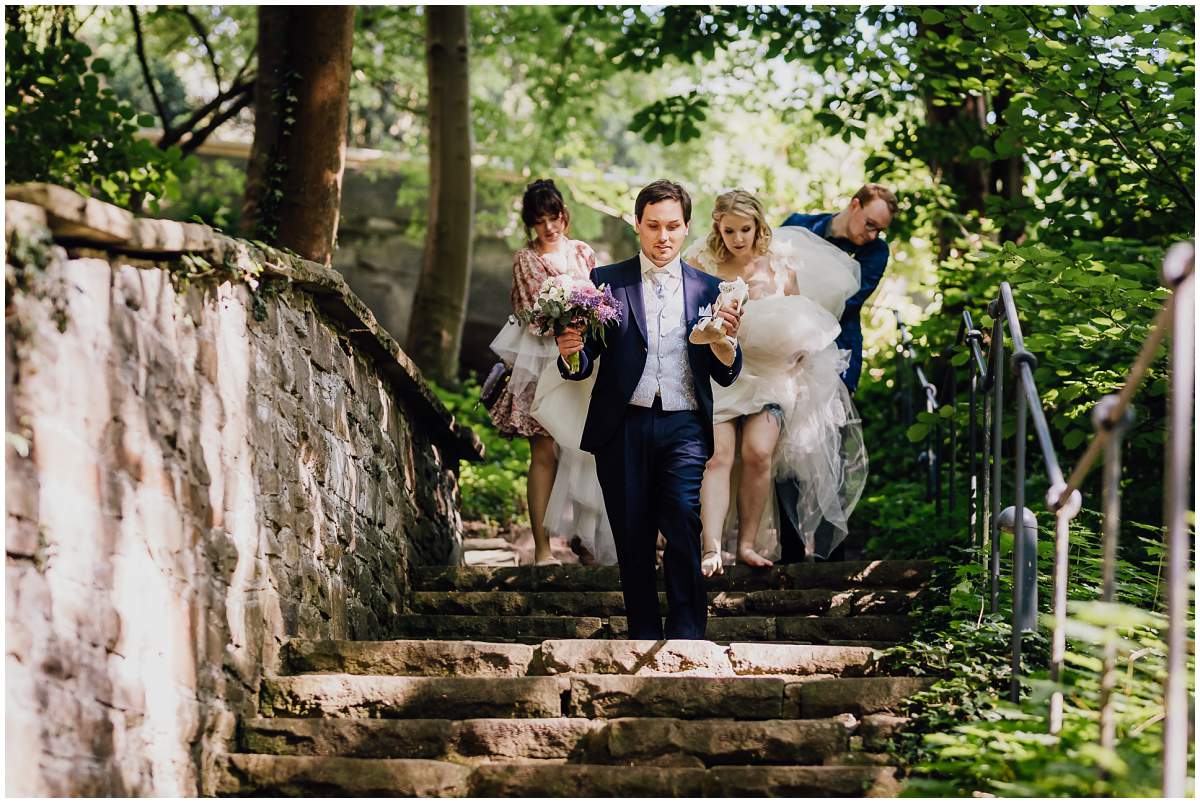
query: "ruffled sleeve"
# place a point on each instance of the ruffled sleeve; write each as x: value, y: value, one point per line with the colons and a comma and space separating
x: 698, y: 256
x: 585, y: 258
x: 528, y: 274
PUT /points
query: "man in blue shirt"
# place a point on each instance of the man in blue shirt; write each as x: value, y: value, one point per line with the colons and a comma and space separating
x: 856, y: 231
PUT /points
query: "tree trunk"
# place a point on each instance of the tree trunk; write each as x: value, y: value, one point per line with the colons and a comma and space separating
x: 301, y: 100
x: 1008, y: 179
x: 439, y: 305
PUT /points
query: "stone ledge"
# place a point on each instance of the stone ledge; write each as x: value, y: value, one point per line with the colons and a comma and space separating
x: 79, y: 220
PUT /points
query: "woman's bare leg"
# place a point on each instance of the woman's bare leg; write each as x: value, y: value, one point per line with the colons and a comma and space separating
x: 543, y: 464
x: 759, y: 436
x: 714, y: 496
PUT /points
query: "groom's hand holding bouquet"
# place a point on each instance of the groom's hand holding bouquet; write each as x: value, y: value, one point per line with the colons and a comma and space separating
x: 571, y: 309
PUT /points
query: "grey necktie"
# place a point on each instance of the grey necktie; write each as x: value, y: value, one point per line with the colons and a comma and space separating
x: 658, y: 278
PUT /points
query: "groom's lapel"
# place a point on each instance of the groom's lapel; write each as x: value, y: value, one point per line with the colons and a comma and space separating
x: 693, y: 294
x: 633, y: 295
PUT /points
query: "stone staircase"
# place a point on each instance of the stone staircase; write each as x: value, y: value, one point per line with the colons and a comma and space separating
x: 518, y: 681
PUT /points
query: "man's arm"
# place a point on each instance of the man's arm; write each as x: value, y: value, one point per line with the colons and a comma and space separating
x: 871, y: 266
x: 723, y: 374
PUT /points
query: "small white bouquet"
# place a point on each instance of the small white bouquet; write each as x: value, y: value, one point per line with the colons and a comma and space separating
x: 711, y: 328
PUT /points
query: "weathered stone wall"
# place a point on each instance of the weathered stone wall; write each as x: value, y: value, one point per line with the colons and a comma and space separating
x: 194, y: 474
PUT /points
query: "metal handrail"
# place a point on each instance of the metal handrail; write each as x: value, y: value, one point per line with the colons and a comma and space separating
x: 1111, y: 418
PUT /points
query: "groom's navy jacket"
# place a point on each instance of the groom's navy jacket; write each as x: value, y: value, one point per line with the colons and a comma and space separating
x: 872, y: 259
x: 624, y: 351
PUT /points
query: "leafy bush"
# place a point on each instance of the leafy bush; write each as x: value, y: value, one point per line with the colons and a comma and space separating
x: 62, y: 125
x: 494, y: 490
x: 966, y: 737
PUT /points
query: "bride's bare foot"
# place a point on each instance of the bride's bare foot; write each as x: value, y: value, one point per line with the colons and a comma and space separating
x: 545, y: 558
x: 749, y: 557
x: 711, y: 564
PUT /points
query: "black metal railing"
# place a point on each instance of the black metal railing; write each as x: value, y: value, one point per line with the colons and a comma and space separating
x: 986, y: 517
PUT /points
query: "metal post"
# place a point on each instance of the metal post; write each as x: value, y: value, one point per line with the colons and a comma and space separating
x: 985, y: 493
x: 997, y: 366
x: 1102, y: 417
x: 973, y: 450
x: 935, y: 469
x: 953, y: 402
x: 1058, y: 647
x: 1178, y: 274
x: 1023, y: 606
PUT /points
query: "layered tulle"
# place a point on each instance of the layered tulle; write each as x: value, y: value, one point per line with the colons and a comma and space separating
x: 576, y: 507
x: 789, y: 359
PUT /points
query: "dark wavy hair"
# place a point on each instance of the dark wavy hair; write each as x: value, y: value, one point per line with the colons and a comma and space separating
x: 663, y: 190
x: 542, y: 199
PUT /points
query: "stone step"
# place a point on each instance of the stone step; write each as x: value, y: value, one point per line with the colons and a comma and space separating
x: 531, y: 629
x: 463, y: 741
x: 412, y: 697
x: 295, y: 776
x: 409, y: 657
x: 578, y: 740
x: 566, y: 656
x: 591, y: 696
x: 491, y: 557
x: 574, y: 781
x: 683, y: 657
x: 905, y: 574
x: 469, y: 544
x: 250, y: 774
x: 611, y: 603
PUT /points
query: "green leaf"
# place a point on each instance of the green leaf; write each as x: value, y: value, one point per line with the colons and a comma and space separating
x: 979, y: 152
x: 1146, y: 67
x: 146, y: 120
x: 1074, y: 438
x: 917, y: 432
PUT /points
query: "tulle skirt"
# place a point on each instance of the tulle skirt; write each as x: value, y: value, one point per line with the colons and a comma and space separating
x: 526, y: 354
x: 576, y: 507
x: 789, y: 360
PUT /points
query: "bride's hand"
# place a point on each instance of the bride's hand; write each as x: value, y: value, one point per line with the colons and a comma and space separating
x: 732, y: 320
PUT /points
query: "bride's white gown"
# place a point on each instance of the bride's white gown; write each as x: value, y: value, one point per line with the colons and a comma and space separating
x: 789, y: 358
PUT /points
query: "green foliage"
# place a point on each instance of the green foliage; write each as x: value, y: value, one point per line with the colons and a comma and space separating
x: 63, y: 126
x: 1099, y: 102
x: 211, y: 195
x: 493, y: 490
x: 966, y: 737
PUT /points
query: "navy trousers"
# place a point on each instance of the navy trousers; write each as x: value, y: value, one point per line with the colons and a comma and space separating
x: 650, y: 475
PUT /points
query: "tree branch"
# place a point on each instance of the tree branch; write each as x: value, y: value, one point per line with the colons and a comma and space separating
x: 203, y: 34
x: 141, y: 54
x: 1113, y: 133
x: 244, y: 91
x: 197, y: 139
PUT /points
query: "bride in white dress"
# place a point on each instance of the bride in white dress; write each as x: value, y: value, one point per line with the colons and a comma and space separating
x: 788, y: 408
x: 788, y: 416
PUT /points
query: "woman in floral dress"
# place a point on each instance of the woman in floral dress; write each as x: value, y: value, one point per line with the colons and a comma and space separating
x: 548, y: 252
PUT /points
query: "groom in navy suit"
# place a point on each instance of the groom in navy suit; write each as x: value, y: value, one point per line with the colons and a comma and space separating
x: 650, y: 420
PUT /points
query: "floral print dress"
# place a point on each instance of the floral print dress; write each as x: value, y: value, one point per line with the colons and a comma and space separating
x: 532, y: 352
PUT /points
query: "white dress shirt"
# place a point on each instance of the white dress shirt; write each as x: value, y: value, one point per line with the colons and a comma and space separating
x: 667, y: 374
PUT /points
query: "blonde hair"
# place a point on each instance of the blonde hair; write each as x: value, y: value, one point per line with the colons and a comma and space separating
x: 743, y: 204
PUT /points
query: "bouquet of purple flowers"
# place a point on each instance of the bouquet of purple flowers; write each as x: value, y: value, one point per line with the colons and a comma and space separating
x: 564, y: 301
